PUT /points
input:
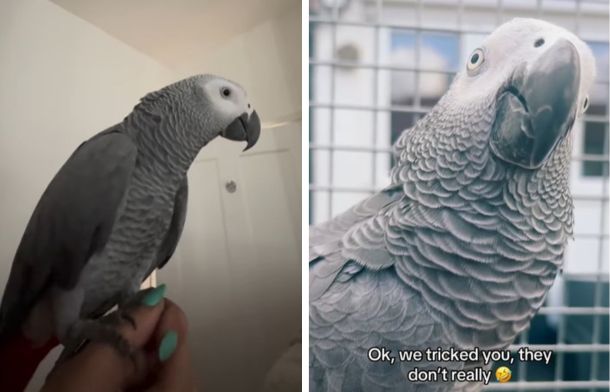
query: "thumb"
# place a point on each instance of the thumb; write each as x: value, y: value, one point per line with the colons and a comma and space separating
x: 100, y: 367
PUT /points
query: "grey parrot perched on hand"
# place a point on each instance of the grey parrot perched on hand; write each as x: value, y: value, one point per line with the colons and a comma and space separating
x: 113, y: 213
x: 463, y: 245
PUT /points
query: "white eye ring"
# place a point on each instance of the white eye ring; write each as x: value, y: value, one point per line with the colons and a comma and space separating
x: 585, y: 104
x: 476, y: 59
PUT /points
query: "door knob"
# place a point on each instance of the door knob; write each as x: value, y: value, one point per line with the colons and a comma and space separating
x: 231, y: 186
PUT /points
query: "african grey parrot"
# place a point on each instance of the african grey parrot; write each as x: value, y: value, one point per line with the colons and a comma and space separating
x: 463, y: 245
x: 114, y: 212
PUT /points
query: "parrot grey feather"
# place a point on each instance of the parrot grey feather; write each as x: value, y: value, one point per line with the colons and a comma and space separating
x: 72, y: 221
x: 325, y: 239
x: 334, y: 229
x: 168, y: 247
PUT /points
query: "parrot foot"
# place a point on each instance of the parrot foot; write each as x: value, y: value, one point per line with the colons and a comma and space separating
x: 97, y: 331
x: 118, y: 317
x: 130, y: 303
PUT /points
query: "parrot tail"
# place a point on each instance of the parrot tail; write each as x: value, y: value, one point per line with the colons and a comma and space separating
x: 19, y: 359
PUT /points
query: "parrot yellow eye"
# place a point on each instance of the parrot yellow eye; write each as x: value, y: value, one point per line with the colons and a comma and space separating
x: 225, y: 92
x: 476, y: 59
x: 585, y: 104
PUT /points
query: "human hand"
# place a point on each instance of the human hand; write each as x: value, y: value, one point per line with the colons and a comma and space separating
x: 162, y: 361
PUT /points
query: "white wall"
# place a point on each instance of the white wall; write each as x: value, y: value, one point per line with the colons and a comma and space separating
x: 266, y: 60
x: 62, y: 80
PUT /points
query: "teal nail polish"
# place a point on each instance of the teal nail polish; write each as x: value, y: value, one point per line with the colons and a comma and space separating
x: 154, y: 296
x: 168, y: 345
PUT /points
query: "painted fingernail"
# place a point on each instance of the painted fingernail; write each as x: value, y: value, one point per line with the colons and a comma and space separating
x: 154, y: 296
x: 168, y: 345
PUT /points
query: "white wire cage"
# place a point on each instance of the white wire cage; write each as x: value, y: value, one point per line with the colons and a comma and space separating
x: 377, y: 66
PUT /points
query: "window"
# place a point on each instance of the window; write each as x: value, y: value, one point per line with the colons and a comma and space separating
x: 432, y: 67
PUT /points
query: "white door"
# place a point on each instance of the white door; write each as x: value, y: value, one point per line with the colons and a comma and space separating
x: 236, y: 271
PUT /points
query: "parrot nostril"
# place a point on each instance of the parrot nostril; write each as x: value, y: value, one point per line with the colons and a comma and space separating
x: 539, y: 42
x: 248, y: 106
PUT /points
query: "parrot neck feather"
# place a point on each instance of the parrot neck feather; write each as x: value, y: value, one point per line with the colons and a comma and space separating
x: 484, y: 239
x: 164, y: 138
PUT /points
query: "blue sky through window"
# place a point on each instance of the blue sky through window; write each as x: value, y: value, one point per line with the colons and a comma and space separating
x: 445, y: 45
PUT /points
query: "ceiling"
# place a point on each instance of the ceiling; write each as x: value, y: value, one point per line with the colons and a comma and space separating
x: 174, y: 32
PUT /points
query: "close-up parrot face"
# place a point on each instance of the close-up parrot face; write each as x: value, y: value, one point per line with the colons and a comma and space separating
x: 536, y: 77
x: 228, y: 105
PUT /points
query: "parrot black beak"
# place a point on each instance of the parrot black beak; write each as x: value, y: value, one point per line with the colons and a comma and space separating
x: 537, y: 109
x: 244, y: 128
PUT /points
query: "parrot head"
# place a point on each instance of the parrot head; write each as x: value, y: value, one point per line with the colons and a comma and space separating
x: 537, y: 75
x: 213, y: 106
x: 236, y: 118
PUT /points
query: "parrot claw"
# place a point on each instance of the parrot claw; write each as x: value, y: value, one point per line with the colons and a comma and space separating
x: 118, y: 317
x: 103, y: 330
x: 98, y: 331
x: 131, y: 302
x: 127, y: 317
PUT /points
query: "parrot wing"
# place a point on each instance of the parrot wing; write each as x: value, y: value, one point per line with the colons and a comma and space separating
x: 345, y: 323
x: 333, y: 243
x: 71, y: 222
